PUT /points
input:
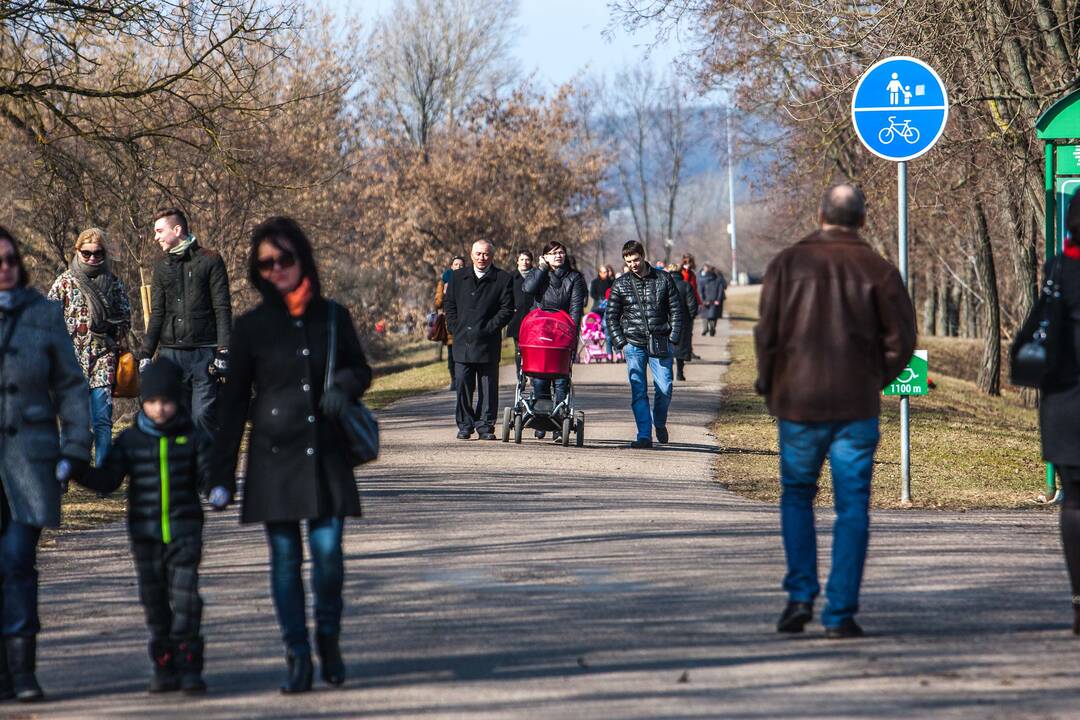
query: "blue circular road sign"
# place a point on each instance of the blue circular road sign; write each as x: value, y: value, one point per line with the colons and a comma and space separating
x: 899, y: 108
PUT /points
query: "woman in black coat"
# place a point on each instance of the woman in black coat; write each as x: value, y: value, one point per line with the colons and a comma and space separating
x: 688, y: 297
x: 1059, y: 409
x: 298, y: 466
x: 523, y: 301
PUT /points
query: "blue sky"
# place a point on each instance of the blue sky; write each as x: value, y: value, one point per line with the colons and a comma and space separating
x: 559, y: 38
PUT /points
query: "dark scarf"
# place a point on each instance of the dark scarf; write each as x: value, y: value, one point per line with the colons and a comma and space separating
x: 95, y: 282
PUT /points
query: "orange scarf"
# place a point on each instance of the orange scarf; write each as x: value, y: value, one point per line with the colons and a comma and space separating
x: 297, y: 300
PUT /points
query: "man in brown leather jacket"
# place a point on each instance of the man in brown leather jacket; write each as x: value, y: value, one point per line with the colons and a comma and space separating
x: 836, y: 327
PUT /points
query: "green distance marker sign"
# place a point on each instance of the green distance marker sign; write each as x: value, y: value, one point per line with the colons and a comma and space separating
x: 914, y: 379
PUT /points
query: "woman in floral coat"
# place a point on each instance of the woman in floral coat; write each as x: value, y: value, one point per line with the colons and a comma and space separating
x: 98, y: 316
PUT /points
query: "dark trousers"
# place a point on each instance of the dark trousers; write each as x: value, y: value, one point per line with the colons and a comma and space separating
x: 18, y: 576
x: 1070, y: 524
x: 169, y: 586
x: 200, y: 390
x: 710, y: 327
x: 287, y: 582
x: 450, y: 361
x: 481, y: 380
x: 542, y: 388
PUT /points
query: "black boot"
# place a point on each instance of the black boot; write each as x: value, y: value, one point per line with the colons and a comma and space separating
x: 6, y: 691
x: 189, y: 663
x: 330, y: 660
x: 300, y: 672
x: 1076, y: 618
x: 22, y: 661
x: 164, y: 679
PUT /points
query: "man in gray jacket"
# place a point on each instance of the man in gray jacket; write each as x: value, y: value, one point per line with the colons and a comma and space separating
x: 190, y: 314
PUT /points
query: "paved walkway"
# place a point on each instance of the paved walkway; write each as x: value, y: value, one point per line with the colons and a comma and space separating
x: 497, y: 581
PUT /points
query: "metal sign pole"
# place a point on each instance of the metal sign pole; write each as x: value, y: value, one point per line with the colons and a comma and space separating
x: 905, y: 409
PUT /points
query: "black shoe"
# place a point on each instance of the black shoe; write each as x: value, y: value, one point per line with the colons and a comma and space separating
x: 641, y: 444
x: 846, y: 629
x: 539, y: 434
x: 661, y: 433
x: 487, y: 436
x: 22, y: 661
x: 464, y: 434
x: 300, y: 673
x: 1076, y: 618
x: 330, y: 661
x: 556, y: 437
x: 795, y: 617
x: 164, y: 678
x: 680, y: 377
x: 189, y: 663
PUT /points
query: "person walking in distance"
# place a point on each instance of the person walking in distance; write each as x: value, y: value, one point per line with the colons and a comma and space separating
x: 1059, y: 405
x: 712, y: 287
x: 190, y: 315
x: 45, y: 416
x: 555, y: 286
x: 646, y: 319
x: 479, y: 303
x: 298, y: 465
x: 523, y: 302
x: 837, y: 325
x: 440, y: 294
x: 98, y: 316
x: 684, y: 350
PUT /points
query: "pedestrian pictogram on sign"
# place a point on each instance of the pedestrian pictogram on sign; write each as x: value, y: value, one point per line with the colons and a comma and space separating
x: 899, y: 108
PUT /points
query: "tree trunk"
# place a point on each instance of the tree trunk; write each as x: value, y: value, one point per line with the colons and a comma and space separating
x: 990, y: 370
x: 930, y: 305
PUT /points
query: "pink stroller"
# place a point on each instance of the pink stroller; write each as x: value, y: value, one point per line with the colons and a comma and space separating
x: 593, y: 340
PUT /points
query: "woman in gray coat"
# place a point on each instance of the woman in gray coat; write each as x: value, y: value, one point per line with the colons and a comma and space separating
x: 40, y: 381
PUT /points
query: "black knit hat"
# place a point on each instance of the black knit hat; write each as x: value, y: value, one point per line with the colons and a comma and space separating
x: 162, y: 379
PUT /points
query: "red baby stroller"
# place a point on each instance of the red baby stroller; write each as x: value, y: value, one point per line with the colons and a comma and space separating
x: 547, y: 341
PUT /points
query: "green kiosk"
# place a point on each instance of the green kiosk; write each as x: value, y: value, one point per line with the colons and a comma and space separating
x: 1059, y: 128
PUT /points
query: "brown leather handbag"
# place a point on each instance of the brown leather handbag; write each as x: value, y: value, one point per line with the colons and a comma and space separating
x: 127, y: 376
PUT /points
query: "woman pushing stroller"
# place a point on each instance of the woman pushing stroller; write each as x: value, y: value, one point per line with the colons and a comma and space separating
x: 554, y: 286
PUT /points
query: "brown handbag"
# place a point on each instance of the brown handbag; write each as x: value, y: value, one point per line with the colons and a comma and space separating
x: 438, y: 332
x: 127, y: 376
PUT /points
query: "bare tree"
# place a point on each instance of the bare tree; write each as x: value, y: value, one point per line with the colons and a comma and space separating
x: 433, y: 57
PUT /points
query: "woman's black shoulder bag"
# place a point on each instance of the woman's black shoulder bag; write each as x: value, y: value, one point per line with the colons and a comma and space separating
x: 359, y: 426
x: 1034, y: 352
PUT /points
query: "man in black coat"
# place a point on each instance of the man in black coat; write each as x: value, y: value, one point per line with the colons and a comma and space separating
x: 190, y: 314
x: 479, y: 303
x: 646, y: 319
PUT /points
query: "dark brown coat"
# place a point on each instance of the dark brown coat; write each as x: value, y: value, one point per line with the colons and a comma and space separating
x: 836, y: 326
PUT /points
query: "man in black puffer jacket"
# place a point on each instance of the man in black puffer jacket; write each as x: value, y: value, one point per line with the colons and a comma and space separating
x: 645, y: 318
x: 167, y: 460
x: 190, y: 314
x: 554, y: 286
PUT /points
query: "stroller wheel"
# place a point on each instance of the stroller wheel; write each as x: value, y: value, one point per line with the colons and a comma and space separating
x: 567, y: 425
x: 508, y: 418
x: 579, y: 432
x: 519, y: 424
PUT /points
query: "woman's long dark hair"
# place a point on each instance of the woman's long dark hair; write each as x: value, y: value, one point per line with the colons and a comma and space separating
x: 274, y: 230
x: 24, y: 277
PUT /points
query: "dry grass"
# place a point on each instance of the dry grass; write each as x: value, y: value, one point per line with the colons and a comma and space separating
x: 968, y: 450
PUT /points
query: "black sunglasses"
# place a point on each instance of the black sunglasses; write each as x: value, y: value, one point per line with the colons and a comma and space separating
x: 92, y: 254
x: 284, y: 261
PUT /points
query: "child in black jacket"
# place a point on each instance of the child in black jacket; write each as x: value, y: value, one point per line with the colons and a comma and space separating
x: 167, y: 461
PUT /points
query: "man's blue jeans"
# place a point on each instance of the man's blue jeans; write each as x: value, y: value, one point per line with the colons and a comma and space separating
x: 850, y: 447
x: 636, y: 362
x: 287, y: 584
x: 101, y: 412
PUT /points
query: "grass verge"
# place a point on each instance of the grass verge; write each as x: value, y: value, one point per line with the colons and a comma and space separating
x: 968, y: 450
